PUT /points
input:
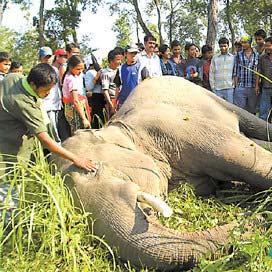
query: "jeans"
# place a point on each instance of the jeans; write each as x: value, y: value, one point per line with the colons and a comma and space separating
x: 8, y: 201
x: 265, y: 104
x: 226, y: 94
x: 245, y: 98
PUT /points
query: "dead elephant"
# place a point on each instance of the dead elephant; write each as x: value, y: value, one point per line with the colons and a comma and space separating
x: 168, y: 129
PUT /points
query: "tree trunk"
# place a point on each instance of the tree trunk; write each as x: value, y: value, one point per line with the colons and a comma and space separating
x: 140, y: 19
x: 171, y: 15
x: 3, y: 6
x: 73, y: 13
x: 228, y: 14
x: 41, y: 24
x: 212, y: 22
x: 159, y: 20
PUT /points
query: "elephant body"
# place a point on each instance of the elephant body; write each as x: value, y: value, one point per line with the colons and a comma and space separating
x: 168, y: 129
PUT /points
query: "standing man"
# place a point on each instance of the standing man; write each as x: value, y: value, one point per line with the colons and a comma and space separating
x: 177, y: 57
x: 148, y: 59
x: 244, y: 79
x: 129, y: 75
x: 265, y: 68
x: 221, y: 78
x: 107, y: 80
x: 259, y: 37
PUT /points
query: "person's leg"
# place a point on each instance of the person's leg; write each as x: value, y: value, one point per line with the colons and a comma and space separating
x: 229, y: 95
x: 252, y: 100
x: 219, y: 93
x: 240, y: 97
x: 63, y: 126
x: 265, y: 105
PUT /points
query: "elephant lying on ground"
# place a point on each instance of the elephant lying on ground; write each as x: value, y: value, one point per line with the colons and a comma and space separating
x: 169, y: 129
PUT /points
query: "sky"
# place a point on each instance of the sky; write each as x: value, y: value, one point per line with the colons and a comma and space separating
x: 97, y: 25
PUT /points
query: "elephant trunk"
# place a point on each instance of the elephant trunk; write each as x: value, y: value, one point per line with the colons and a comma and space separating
x: 141, y: 239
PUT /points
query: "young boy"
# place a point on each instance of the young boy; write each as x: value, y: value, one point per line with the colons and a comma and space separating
x: 107, y: 80
x: 5, y: 62
x: 129, y: 75
x: 192, y: 67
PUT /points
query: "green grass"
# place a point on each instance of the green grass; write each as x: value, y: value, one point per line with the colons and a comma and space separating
x: 49, y: 234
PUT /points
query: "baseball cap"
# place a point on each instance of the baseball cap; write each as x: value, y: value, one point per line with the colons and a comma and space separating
x: 132, y: 48
x: 246, y: 39
x: 45, y: 51
x: 60, y: 51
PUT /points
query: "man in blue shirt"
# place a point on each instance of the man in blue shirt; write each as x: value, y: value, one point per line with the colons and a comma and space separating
x: 129, y: 75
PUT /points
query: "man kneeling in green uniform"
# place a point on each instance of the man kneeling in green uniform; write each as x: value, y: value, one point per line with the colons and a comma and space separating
x: 21, y: 118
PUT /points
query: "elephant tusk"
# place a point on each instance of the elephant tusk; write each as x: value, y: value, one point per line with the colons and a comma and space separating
x: 156, y: 203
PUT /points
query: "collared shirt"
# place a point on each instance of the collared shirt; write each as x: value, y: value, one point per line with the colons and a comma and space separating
x: 221, y: 70
x: 265, y: 68
x: 2, y: 76
x: 151, y: 63
x: 246, y: 78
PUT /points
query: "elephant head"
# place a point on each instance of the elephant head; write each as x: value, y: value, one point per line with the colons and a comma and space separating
x: 168, y: 129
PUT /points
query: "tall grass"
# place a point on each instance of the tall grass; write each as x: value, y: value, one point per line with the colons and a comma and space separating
x: 47, y: 233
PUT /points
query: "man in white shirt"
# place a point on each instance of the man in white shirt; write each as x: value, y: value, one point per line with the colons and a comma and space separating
x: 149, y: 59
x: 221, y: 72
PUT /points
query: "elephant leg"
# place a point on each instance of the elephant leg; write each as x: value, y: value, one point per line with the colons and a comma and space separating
x: 204, y: 185
x: 239, y: 158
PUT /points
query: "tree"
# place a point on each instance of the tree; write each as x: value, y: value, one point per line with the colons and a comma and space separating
x: 26, y: 49
x: 41, y: 24
x: 7, y: 39
x: 212, y: 22
x: 140, y: 18
x: 123, y: 29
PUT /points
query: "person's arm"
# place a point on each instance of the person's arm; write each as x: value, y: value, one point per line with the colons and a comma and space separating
x: 212, y: 74
x: 144, y: 73
x: 79, y: 109
x: 118, y: 83
x: 96, y: 78
x: 258, y: 78
x: 235, y: 70
x: 108, y: 99
x: 51, y: 145
x: 62, y: 70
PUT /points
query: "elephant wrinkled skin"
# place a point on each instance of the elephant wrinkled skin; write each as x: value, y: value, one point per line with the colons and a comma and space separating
x: 168, y: 129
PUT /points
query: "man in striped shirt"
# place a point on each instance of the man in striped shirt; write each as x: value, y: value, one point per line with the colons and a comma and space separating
x: 221, y: 79
x: 246, y: 61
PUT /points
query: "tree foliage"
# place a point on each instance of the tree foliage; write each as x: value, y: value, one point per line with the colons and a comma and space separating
x: 122, y: 29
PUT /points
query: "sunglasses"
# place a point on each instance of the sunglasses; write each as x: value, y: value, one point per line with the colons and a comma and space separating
x: 63, y: 56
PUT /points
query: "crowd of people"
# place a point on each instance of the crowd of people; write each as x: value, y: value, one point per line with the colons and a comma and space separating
x: 86, y: 95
